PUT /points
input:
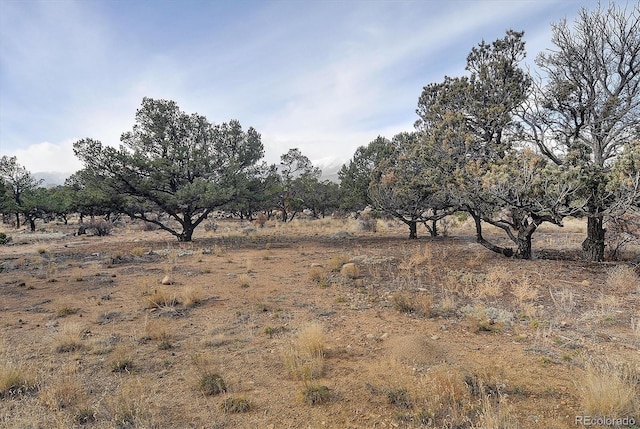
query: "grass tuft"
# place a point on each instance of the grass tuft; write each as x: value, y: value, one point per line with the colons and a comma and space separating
x: 304, y: 358
x: 235, y: 405
x: 622, y: 279
x: 69, y: 338
x: 14, y: 381
x: 211, y: 383
x: 607, y: 390
x: 314, y: 394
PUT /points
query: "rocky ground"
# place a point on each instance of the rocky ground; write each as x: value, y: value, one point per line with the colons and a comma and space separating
x: 311, y: 324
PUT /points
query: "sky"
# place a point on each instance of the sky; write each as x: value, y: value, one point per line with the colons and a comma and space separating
x: 324, y: 76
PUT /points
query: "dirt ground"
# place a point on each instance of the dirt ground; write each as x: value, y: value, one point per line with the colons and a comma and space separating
x: 312, y: 324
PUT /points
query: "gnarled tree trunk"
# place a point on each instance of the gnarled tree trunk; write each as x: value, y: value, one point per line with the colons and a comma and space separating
x: 593, y: 245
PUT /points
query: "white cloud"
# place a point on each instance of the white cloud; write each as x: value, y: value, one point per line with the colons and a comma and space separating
x: 327, y: 77
x: 48, y: 157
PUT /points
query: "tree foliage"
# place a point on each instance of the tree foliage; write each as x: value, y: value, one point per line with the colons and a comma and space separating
x: 403, y: 185
x: 298, y: 178
x: 587, y: 108
x: 19, y: 182
x: 471, y: 137
x: 356, y: 175
x: 174, y: 163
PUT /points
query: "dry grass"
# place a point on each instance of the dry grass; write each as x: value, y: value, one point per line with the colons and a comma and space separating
x: 129, y: 406
x: 314, y: 394
x: 161, y: 298
x: 235, y: 405
x: 497, y: 414
x: 65, y: 311
x: 69, y: 338
x: 211, y: 383
x: 622, y: 279
x: 420, y: 304
x: 311, y: 340
x: 317, y: 275
x: 134, y: 366
x: 137, y: 251
x: 158, y: 330
x: 336, y: 262
x: 608, y: 390
x: 497, y: 280
x: 64, y: 392
x: 244, y: 280
x: 15, y: 380
x: 421, y: 259
x: 608, y: 305
x: 192, y: 296
x: 448, y: 304
x: 563, y: 300
x: 304, y: 357
x: 525, y: 291
x: 121, y: 359
x: 350, y: 271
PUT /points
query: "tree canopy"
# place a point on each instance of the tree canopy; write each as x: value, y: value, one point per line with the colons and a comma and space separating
x: 175, y: 164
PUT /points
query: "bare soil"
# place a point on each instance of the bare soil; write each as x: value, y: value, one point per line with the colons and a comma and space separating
x: 489, y: 332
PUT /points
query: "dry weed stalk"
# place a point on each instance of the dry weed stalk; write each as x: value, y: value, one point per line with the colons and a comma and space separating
x: 497, y: 414
x: 563, y: 299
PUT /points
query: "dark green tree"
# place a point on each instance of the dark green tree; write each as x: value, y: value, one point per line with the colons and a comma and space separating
x: 355, y: 176
x: 298, y: 177
x: 324, y: 197
x: 93, y: 195
x: 174, y: 163
x: 472, y: 136
x: 403, y: 186
x: 18, y: 180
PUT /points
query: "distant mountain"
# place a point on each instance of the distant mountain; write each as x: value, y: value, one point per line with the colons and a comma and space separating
x: 52, y: 178
x: 330, y: 167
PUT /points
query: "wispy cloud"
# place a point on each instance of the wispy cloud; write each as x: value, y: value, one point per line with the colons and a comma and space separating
x: 323, y: 76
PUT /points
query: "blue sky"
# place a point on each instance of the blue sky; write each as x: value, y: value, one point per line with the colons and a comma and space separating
x: 325, y: 76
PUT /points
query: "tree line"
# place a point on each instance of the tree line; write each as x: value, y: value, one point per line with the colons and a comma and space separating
x: 508, y: 147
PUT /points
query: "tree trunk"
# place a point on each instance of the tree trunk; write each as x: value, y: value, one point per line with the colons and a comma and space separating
x: 187, y: 229
x: 186, y: 235
x: 17, y: 220
x: 524, y: 244
x: 593, y: 245
x: 508, y: 252
x: 413, y: 229
x: 32, y: 224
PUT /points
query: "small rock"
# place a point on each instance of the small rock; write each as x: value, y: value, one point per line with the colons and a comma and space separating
x: 167, y: 280
x: 370, y: 336
x: 384, y: 336
x: 435, y: 337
